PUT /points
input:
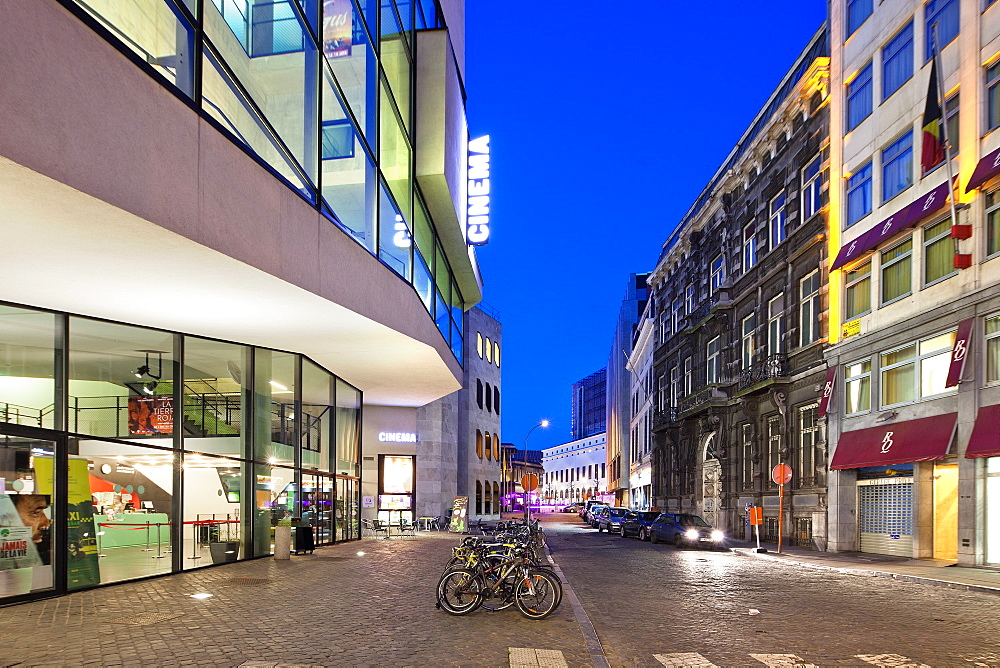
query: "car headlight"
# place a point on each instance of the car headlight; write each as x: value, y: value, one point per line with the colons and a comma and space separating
x: 691, y: 534
x: 718, y: 536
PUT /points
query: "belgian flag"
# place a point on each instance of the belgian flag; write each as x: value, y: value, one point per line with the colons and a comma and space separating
x: 932, y: 148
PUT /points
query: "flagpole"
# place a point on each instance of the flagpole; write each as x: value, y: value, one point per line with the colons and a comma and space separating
x: 944, y: 127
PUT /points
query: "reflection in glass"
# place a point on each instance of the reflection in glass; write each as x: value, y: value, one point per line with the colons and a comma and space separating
x: 394, y: 156
x: 348, y: 429
x: 274, y: 406
x: 317, y: 417
x: 348, y: 172
x: 395, y: 240
x: 353, y: 64
x: 120, y: 381
x: 274, y: 500
x: 27, y: 367
x: 156, y: 31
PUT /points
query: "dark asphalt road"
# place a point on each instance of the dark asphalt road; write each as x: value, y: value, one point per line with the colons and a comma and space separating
x: 646, y: 600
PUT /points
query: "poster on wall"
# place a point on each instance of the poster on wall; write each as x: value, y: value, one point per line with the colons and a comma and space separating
x: 17, y: 545
x: 459, y: 511
x: 150, y: 415
x: 83, y: 565
x: 338, y: 24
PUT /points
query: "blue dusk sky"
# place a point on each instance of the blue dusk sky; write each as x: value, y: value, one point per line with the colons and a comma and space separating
x: 606, y: 120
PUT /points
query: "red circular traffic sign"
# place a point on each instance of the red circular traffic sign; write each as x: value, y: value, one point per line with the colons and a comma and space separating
x: 781, y: 474
x: 529, y: 482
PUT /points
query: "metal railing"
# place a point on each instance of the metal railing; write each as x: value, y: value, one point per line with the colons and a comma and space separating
x: 664, y: 418
x: 773, y: 366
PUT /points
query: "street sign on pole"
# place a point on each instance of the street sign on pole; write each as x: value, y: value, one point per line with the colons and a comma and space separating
x: 529, y: 482
x: 782, y: 475
x: 756, y: 516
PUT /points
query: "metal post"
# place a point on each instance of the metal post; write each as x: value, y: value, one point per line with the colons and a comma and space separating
x: 781, y: 513
x: 157, y: 555
x: 148, y: 548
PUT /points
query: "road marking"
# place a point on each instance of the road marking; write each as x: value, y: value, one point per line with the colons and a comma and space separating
x: 890, y: 661
x: 783, y: 660
x: 527, y: 657
x: 684, y: 660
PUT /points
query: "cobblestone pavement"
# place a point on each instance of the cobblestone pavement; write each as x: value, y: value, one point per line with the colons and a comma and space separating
x: 656, y: 605
x: 334, y: 608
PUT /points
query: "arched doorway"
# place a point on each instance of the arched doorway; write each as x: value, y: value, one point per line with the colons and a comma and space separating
x: 711, y: 483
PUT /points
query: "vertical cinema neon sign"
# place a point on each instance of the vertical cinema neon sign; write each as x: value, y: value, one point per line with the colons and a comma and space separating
x: 477, y: 230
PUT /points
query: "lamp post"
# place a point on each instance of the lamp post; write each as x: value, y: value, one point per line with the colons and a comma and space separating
x: 527, y: 503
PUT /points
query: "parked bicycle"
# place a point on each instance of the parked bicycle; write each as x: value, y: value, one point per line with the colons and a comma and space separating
x: 498, y: 574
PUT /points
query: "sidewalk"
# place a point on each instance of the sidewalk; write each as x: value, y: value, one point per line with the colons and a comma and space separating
x: 926, y: 571
x: 366, y: 603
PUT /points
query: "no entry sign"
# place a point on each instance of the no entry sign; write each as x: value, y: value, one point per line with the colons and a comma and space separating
x: 781, y: 474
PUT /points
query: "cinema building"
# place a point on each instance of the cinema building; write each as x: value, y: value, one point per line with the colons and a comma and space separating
x: 235, y: 254
x: 914, y: 305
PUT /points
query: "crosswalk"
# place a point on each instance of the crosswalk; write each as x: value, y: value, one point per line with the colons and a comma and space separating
x: 523, y: 657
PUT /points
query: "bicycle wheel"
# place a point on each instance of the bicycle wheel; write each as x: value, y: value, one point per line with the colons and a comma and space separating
x: 555, y: 578
x: 458, y: 591
x: 537, y: 596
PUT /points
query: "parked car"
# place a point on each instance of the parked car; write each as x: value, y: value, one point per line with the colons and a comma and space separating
x: 592, y: 511
x: 683, y: 529
x: 637, y: 523
x: 571, y: 508
x: 610, y: 519
x: 586, y: 506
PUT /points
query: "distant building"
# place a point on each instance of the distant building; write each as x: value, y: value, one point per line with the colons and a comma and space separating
x: 642, y: 406
x: 619, y: 388
x: 515, y: 464
x: 576, y: 471
x: 589, y: 405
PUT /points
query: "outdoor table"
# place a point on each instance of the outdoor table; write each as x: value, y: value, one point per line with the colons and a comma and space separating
x: 425, y: 522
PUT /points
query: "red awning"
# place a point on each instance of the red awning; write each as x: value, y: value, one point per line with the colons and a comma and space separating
x: 987, y: 168
x: 985, y: 439
x: 921, y: 440
x: 908, y: 216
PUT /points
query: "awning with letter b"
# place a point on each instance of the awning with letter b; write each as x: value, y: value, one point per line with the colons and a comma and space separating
x: 920, y: 440
x: 985, y: 439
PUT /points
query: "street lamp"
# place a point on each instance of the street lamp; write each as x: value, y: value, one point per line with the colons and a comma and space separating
x: 527, y: 503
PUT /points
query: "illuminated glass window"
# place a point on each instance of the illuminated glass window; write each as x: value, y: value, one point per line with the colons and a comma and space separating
x: 858, y: 291
x: 858, y: 384
x: 896, y: 271
x: 859, y: 194
x: 859, y: 97
x: 897, y: 61
x: 897, y: 166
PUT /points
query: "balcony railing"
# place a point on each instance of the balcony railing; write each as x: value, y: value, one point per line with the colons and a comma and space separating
x: 664, y: 418
x: 703, y: 396
x: 774, y: 366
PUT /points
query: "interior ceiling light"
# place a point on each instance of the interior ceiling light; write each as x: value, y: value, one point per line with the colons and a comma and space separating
x: 278, y: 386
x: 141, y: 371
x: 149, y: 387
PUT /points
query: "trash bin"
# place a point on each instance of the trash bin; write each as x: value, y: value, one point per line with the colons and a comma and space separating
x: 304, y: 539
x: 224, y: 552
x: 282, y: 541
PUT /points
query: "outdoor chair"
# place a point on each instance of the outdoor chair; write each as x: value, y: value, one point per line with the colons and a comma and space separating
x: 406, y: 529
x: 379, y: 529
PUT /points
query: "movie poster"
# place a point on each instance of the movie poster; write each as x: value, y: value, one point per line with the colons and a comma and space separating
x: 459, y: 511
x: 84, y: 567
x: 150, y: 415
x: 338, y: 20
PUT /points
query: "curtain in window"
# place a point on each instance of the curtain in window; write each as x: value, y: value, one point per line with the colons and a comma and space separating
x: 993, y: 232
x: 898, y: 382
x: 859, y: 395
x: 938, y: 255
x: 859, y: 295
x: 896, y: 277
x: 993, y: 360
x: 897, y: 64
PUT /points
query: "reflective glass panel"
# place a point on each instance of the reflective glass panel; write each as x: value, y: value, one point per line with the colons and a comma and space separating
x: 120, y: 381
x: 317, y: 417
x: 353, y: 63
x: 128, y: 491
x: 216, y: 396
x: 274, y: 407
x: 348, y: 429
x: 395, y: 240
x: 394, y: 157
x: 214, y: 531
x: 275, y: 498
x: 26, y: 498
x: 27, y: 367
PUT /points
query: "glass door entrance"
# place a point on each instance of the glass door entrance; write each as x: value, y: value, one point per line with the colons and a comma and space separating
x: 26, y: 531
x: 318, y: 495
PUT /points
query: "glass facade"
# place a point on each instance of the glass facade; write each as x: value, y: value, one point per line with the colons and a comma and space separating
x: 321, y: 94
x: 127, y: 452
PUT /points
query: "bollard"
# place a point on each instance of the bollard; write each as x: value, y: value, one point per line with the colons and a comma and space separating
x: 282, y: 542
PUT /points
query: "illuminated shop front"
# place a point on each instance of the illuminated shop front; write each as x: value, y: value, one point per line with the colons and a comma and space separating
x: 104, y: 479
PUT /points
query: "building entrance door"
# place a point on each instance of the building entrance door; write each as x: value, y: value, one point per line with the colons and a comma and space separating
x: 885, y: 516
x: 711, y: 483
x: 318, y: 495
x: 946, y: 511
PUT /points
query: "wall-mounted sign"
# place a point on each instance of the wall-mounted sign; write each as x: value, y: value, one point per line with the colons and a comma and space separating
x: 367, y: 501
x: 338, y: 20
x: 396, y: 437
x: 852, y: 328
x: 477, y: 230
